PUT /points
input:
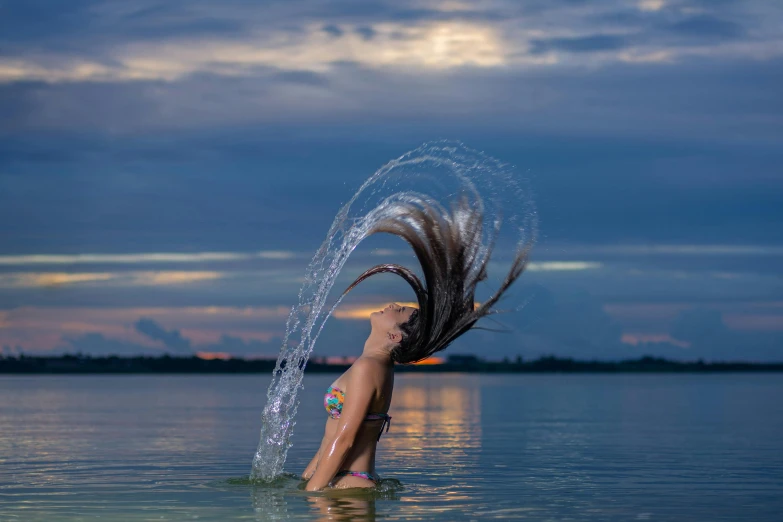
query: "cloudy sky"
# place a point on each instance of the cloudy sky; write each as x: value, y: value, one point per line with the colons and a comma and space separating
x: 168, y: 169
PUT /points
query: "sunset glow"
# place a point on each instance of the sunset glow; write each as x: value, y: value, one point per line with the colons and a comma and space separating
x: 209, y: 356
x: 430, y: 360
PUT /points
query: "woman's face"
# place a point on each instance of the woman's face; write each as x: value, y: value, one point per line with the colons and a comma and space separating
x: 390, y: 318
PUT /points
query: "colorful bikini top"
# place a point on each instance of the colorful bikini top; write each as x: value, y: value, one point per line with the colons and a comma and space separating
x: 333, y: 402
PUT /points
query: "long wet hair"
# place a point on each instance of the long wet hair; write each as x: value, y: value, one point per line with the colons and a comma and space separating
x: 453, y: 258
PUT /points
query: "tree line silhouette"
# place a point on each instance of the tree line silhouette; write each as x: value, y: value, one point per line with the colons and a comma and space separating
x: 86, y: 364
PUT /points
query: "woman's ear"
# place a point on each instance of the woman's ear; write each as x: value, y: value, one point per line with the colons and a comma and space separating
x: 394, y: 337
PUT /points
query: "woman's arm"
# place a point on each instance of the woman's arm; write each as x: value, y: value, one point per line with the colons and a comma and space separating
x: 357, y: 403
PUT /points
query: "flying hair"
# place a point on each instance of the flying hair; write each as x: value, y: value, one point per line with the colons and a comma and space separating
x: 448, y: 245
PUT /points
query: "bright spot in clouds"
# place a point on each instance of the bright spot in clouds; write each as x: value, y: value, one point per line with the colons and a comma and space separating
x: 637, y: 56
x: 437, y: 45
x: 50, y: 279
x: 651, y: 5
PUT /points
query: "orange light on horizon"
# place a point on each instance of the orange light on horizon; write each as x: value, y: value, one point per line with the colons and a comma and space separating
x: 209, y: 356
x: 430, y: 360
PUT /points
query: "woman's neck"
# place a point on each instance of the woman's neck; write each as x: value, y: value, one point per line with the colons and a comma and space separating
x: 377, y: 347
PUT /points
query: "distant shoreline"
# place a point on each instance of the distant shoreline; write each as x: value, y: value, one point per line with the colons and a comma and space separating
x: 79, y: 364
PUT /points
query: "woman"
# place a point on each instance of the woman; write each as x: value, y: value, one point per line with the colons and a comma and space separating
x: 453, y: 260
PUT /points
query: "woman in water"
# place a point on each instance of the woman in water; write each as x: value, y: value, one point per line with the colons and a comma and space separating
x: 448, y: 245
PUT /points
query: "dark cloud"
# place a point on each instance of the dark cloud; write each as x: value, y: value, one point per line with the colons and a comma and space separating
x: 582, y: 44
x: 169, y: 19
x: 629, y: 18
x: 95, y: 343
x: 354, y: 11
x: 239, y: 347
x: 24, y: 22
x: 8, y: 350
x: 670, y: 29
x: 711, y: 340
x: 304, y: 78
x: 366, y: 32
x: 171, y: 339
x: 700, y: 325
x: 706, y: 26
x: 566, y: 324
x: 333, y: 30
x: 93, y: 27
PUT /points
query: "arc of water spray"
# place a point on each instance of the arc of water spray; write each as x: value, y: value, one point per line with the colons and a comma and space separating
x: 382, y: 200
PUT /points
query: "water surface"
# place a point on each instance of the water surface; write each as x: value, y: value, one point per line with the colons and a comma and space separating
x: 463, y: 447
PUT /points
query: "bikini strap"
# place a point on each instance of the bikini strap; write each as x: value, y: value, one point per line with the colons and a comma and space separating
x: 387, y: 423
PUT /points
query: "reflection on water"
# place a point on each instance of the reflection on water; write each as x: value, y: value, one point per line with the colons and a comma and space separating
x: 269, y: 499
x: 337, y: 508
x: 433, y: 418
x: 354, y: 504
x: 285, y: 497
x: 576, y: 447
x: 450, y: 407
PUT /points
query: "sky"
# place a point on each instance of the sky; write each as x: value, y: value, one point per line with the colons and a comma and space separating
x: 168, y: 169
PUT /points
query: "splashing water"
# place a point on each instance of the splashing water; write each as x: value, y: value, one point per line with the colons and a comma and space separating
x: 435, y: 174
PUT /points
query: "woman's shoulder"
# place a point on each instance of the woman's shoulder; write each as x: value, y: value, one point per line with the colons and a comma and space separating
x: 368, y: 369
x: 368, y: 365
x: 368, y: 375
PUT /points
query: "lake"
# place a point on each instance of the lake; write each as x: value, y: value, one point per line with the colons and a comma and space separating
x: 461, y: 447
